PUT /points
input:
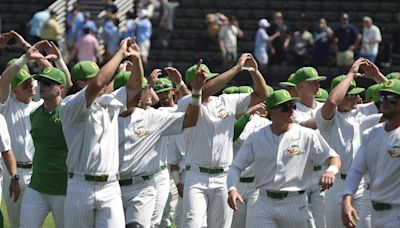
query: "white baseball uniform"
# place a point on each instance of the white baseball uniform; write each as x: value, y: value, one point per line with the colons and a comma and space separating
x: 379, y: 157
x: 316, y: 197
x: 343, y: 133
x: 139, y: 137
x: 16, y: 115
x: 283, y: 163
x: 247, y: 189
x: 5, y: 143
x: 208, y: 155
x: 91, y: 132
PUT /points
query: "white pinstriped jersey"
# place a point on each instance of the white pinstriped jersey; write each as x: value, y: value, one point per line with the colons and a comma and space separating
x: 166, y: 142
x: 91, y: 132
x: 16, y: 115
x: 256, y: 123
x: 209, y: 143
x: 5, y: 143
x: 139, y: 135
x: 379, y: 156
x: 343, y: 131
x: 284, y: 162
x: 303, y: 113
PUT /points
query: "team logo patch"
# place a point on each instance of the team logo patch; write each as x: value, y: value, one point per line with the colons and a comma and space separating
x: 389, y: 84
x: 47, y: 70
x: 221, y: 112
x: 23, y: 73
x: 140, y: 131
x: 394, y: 152
x: 294, y: 150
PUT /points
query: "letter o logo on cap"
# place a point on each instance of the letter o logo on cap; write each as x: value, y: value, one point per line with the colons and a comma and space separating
x: 389, y: 83
x: 23, y: 73
x: 47, y: 70
x: 286, y: 94
x: 94, y: 66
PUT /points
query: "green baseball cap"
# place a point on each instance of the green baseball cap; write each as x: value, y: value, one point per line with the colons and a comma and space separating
x: 322, y: 95
x: 162, y: 85
x: 20, y: 78
x: 231, y: 90
x: 391, y: 86
x: 12, y: 61
x: 289, y: 82
x: 393, y: 75
x: 122, y: 77
x: 306, y: 74
x: 372, y: 93
x: 191, y: 72
x: 53, y: 74
x: 83, y: 70
x: 245, y: 89
x: 353, y: 89
x: 278, y: 97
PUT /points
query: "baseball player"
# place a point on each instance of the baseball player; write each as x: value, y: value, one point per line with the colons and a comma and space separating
x: 290, y: 86
x: 341, y: 122
x: 90, y: 125
x: 16, y: 92
x: 284, y: 154
x: 140, y: 133
x: 47, y: 189
x: 208, y: 151
x: 378, y: 157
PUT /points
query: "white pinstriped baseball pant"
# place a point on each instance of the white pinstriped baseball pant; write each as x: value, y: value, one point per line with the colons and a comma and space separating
x: 249, y: 195
x: 162, y: 192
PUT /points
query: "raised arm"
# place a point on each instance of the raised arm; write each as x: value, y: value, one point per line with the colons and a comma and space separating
x: 134, y: 84
x: 260, y: 86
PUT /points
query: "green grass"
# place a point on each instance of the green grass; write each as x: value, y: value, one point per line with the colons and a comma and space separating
x: 48, y: 223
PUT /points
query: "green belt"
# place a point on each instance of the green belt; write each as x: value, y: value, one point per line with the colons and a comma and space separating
x: 127, y: 182
x: 317, y: 167
x: 280, y: 195
x: 208, y: 170
x: 247, y: 179
x: 98, y: 178
x: 381, y: 206
x: 24, y: 165
x: 343, y: 176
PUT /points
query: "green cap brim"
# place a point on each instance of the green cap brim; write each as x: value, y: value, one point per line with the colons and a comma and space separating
x: 163, y: 90
x: 320, y: 99
x: 319, y: 78
x: 287, y: 84
x: 389, y: 91
x: 212, y: 75
x: 37, y: 76
x: 286, y: 100
x: 355, y: 90
x: 22, y: 81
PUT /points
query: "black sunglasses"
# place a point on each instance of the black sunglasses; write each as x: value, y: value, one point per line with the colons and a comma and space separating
x: 47, y: 82
x: 287, y: 106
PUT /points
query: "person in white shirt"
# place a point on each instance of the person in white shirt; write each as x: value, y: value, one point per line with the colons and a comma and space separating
x: 90, y: 125
x: 341, y: 121
x: 227, y: 38
x: 379, y: 158
x: 284, y: 154
x: 208, y: 151
x: 371, y: 38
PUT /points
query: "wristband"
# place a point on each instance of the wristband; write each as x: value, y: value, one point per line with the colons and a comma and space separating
x: 180, y: 84
x: 60, y: 64
x: 195, y: 100
x: 333, y: 169
x: 21, y: 61
x: 176, y: 176
x: 196, y: 92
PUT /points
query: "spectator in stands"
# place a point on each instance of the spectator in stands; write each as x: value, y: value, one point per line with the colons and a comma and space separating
x: 111, y: 37
x: 347, y: 39
x: 213, y: 21
x: 322, y: 40
x: 51, y: 30
x: 74, y: 18
x: 36, y: 23
x: 143, y: 34
x: 86, y: 47
x: 281, y: 40
x: 302, y: 44
x: 87, y: 23
x: 111, y: 8
x: 261, y: 43
x: 371, y: 38
x: 147, y: 5
x: 166, y: 22
x: 129, y: 30
x: 227, y: 38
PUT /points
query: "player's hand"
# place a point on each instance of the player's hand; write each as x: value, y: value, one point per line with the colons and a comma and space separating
x: 247, y: 62
x: 155, y: 74
x: 349, y: 215
x: 327, y: 180
x: 370, y: 70
x: 13, y: 39
x: 179, y: 186
x: 258, y: 109
x: 199, y: 78
x: 33, y: 52
x: 356, y: 66
x: 233, y: 197
x: 52, y: 52
x: 174, y: 75
x: 133, y: 48
x: 14, y: 190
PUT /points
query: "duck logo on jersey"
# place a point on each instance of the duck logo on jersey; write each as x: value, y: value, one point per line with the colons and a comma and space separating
x: 140, y: 131
x: 294, y: 150
x: 394, y: 152
x: 221, y: 112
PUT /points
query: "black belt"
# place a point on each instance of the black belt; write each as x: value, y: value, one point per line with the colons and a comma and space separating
x: 247, y: 179
x: 381, y: 206
x: 208, y: 170
x: 317, y: 167
x: 343, y: 176
x: 163, y: 167
x: 281, y: 195
x: 97, y: 178
x: 127, y: 182
x: 24, y: 165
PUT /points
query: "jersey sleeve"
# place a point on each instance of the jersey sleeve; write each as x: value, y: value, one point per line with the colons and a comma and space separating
x: 5, y: 142
x: 320, y: 150
x: 324, y: 125
x: 174, y: 155
x: 121, y: 95
x: 74, y: 108
x: 183, y: 103
x: 168, y: 123
x: 238, y: 102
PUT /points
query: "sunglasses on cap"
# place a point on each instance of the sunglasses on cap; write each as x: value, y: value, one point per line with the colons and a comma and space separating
x: 47, y: 82
x: 287, y: 107
x: 391, y: 98
x: 163, y: 86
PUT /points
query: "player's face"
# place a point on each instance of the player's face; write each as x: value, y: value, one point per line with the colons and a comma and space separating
x: 165, y: 98
x: 308, y: 89
x: 283, y: 113
x: 390, y: 107
x: 25, y: 90
x: 49, y: 89
x: 348, y: 103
